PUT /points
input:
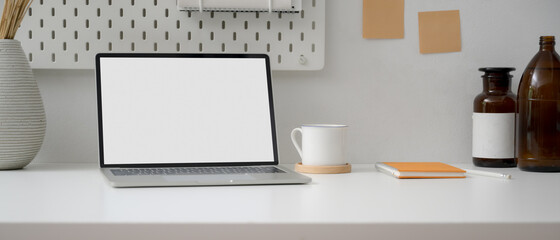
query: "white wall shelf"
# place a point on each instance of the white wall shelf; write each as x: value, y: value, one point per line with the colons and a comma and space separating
x: 66, y: 34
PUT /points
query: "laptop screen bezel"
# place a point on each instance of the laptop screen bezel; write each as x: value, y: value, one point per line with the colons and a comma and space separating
x: 98, y: 58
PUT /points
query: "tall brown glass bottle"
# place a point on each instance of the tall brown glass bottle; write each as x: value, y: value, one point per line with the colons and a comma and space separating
x: 494, y: 120
x: 538, y: 118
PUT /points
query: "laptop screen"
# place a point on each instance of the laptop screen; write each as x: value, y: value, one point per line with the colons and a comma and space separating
x: 185, y: 109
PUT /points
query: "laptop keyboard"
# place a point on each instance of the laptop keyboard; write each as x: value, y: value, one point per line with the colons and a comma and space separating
x: 195, y: 170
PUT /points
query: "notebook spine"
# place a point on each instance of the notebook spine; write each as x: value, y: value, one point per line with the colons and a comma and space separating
x: 384, y: 168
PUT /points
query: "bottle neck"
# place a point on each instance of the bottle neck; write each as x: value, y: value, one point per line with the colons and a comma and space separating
x: 495, y: 83
x: 547, y: 43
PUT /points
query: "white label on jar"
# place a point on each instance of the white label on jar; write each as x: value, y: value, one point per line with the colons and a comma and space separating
x: 493, y: 135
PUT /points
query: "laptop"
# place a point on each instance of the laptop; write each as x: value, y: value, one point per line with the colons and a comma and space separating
x: 187, y: 120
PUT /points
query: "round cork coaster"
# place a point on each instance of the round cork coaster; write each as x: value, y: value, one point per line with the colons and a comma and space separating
x: 346, y: 168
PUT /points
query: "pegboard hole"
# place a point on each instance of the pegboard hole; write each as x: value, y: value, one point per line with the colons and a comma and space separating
x: 75, y: 12
x: 167, y: 12
x: 189, y: 36
x: 211, y: 36
x: 291, y: 48
x: 143, y: 12
x: 110, y: 2
x: 132, y: 24
x: 75, y: 57
x: 291, y: 25
x: 246, y: 47
x: 200, y: 24
x: 155, y: 47
x: 268, y: 47
x: 257, y: 36
x: 155, y: 24
x: 110, y: 23
x: 53, y: 34
x: 64, y: 46
x: 234, y: 36
x: 302, y: 36
x: 279, y: 58
x: 268, y: 25
x: 178, y: 47
x: 121, y: 35
x: 121, y: 12
x: 223, y: 47
x: 87, y: 46
x: 223, y: 24
x: 178, y: 24
x: 302, y: 14
x: 64, y: 23
x: 30, y: 34
x: 53, y: 57
x: 110, y: 46
x: 166, y: 35
x: 131, y: 2
x: 76, y: 35
x: 42, y: 46
x: 98, y: 35
x: 132, y: 47
x: 200, y: 47
x: 279, y: 36
x: 246, y: 25
x: 30, y: 57
x: 98, y: 12
x: 313, y: 25
x: 53, y: 12
x: 41, y: 23
x: 144, y: 35
x: 313, y: 47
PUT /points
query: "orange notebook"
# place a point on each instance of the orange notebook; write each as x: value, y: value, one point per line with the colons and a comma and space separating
x: 420, y: 170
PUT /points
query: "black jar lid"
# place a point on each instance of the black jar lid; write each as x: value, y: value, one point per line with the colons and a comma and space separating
x: 497, y: 69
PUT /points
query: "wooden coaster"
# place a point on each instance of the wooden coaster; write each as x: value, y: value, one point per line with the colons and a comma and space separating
x: 346, y: 168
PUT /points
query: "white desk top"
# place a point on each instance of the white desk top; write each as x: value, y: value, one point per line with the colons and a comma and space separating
x: 369, y: 202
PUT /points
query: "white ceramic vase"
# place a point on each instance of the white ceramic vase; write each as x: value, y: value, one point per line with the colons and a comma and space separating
x: 22, y: 115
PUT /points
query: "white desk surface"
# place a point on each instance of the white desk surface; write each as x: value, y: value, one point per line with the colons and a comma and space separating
x: 73, y: 201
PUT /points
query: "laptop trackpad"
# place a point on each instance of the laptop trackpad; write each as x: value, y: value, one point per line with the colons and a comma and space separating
x: 208, y: 178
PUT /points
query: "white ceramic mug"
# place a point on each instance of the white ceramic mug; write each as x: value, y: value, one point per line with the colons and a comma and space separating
x: 321, y: 144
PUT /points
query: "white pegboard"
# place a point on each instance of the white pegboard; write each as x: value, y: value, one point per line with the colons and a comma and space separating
x: 66, y: 34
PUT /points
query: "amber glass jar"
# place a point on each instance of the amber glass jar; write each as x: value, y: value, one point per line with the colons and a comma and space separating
x: 538, y: 119
x: 494, y: 120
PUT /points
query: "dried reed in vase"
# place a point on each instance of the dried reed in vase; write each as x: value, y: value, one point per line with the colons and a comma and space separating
x: 14, y: 11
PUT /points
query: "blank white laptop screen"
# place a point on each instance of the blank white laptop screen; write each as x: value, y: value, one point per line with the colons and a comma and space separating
x: 170, y: 110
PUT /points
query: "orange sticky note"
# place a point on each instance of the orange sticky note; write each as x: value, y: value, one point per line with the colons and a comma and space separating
x: 383, y: 19
x: 439, y: 31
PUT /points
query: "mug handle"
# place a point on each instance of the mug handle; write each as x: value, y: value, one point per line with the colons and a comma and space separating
x: 298, y: 148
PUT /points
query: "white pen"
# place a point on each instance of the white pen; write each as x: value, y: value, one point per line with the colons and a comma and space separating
x: 488, y: 174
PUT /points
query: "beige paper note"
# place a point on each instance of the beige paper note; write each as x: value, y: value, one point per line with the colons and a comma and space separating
x: 383, y: 19
x: 439, y: 31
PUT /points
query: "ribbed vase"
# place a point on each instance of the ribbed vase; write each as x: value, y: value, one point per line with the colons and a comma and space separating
x: 22, y: 115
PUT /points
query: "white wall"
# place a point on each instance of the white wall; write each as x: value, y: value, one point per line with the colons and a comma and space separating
x: 400, y: 105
